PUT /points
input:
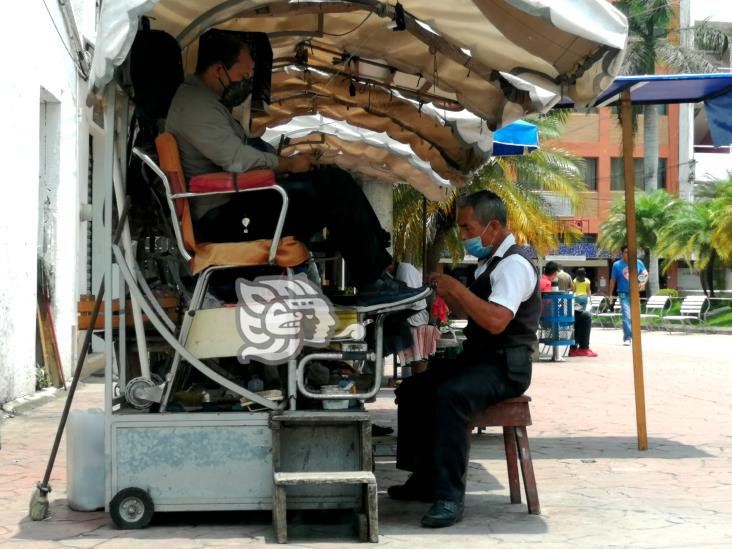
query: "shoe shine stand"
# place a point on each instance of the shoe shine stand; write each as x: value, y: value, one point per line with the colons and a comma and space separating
x: 268, y: 455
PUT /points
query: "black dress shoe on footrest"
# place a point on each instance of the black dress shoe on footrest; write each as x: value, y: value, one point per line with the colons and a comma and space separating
x: 443, y: 513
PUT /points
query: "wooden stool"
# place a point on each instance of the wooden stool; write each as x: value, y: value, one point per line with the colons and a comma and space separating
x: 514, y: 416
x: 368, y: 516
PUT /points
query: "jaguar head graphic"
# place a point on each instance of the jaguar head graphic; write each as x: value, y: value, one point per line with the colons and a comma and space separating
x: 279, y: 316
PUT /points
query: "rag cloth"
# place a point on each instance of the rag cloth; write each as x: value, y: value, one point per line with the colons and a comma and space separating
x: 425, y: 344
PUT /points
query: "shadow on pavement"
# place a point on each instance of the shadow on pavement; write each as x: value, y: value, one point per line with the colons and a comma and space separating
x: 490, y: 446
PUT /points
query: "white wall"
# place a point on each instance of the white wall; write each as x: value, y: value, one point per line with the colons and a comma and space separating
x: 37, y: 68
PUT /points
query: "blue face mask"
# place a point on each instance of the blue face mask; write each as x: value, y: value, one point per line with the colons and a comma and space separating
x: 474, y: 246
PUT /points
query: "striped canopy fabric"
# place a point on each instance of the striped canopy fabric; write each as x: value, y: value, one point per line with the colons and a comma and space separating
x: 439, y: 77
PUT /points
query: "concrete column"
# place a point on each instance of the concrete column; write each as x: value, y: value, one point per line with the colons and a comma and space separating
x: 382, y: 201
x: 686, y: 116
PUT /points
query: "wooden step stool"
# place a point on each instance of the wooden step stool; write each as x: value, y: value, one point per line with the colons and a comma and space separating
x: 368, y: 522
x: 514, y: 416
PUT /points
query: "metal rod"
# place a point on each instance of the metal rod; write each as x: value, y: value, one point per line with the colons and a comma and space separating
x: 640, y: 399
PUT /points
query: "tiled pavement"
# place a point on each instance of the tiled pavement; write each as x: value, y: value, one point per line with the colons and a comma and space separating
x: 596, y: 488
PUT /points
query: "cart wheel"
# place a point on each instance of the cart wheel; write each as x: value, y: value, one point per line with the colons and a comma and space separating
x: 131, y: 509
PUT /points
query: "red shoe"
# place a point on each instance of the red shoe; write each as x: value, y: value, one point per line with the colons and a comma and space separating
x: 582, y: 352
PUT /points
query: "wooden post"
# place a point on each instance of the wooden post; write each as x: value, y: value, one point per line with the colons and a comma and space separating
x: 628, y: 171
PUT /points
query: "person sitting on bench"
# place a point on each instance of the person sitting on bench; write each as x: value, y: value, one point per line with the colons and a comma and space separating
x: 210, y: 139
x: 435, y: 408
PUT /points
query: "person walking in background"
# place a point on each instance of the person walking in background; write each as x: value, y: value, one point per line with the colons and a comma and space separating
x: 582, y: 288
x: 620, y: 278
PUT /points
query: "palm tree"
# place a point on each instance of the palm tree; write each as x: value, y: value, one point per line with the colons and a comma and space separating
x: 688, y: 235
x: 518, y: 180
x: 720, y: 194
x: 653, y: 211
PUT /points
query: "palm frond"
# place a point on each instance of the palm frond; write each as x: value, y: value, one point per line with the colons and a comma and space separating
x: 710, y: 38
x: 684, y: 59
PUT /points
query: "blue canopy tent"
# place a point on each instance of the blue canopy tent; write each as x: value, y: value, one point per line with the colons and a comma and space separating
x: 515, y: 139
x: 715, y: 90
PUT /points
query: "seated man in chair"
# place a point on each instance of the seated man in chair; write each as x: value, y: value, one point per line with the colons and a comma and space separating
x: 437, y: 406
x: 210, y: 139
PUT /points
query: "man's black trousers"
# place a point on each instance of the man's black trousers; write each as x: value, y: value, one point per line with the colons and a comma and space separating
x: 325, y: 197
x: 435, y: 409
x: 582, y: 329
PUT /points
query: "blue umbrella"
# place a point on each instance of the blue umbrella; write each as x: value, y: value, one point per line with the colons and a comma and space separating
x: 515, y: 139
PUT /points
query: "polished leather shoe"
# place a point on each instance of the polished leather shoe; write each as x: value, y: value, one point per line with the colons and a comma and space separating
x: 410, y: 491
x: 443, y: 513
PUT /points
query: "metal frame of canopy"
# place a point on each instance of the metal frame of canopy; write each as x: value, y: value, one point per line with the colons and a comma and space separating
x: 651, y: 90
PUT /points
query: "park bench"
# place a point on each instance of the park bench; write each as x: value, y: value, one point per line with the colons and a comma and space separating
x: 608, y: 319
x: 657, y: 307
x: 694, y: 309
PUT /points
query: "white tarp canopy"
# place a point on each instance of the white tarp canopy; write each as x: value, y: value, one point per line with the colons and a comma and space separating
x: 351, y: 147
x: 457, y: 71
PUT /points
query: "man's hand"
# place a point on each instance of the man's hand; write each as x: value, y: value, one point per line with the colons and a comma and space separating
x: 296, y: 164
x: 443, y: 284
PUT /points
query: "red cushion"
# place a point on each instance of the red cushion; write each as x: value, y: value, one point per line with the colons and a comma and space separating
x: 225, y: 181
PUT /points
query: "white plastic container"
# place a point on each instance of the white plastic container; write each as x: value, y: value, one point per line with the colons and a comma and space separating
x: 334, y: 404
x: 85, y: 459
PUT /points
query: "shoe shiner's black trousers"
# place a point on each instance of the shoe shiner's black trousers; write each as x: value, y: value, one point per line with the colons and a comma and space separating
x: 325, y: 197
x: 435, y: 409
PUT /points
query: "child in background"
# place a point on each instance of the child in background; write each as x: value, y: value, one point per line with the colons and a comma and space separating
x: 582, y: 289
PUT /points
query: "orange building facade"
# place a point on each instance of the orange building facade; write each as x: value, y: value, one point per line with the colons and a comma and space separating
x: 596, y: 137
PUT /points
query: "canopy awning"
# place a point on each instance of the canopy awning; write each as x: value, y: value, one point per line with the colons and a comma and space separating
x: 516, y: 138
x: 715, y: 90
x: 437, y: 76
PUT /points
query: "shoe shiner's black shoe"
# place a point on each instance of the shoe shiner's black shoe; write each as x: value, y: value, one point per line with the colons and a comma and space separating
x: 412, y: 490
x: 386, y: 290
x: 380, y: 430
x: 443, y: 513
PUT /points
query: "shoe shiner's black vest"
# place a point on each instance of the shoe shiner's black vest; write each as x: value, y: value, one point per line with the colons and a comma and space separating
x: 520, y: 332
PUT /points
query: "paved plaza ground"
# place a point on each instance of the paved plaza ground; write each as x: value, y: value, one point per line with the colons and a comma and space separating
x: 596, y: 488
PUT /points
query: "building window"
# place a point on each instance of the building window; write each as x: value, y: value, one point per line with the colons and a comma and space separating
x: 661, y: 173
x: 589, y: 172
x: 617, y: 179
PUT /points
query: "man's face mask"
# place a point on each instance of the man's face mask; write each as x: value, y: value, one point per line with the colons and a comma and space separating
x: 236, y: 92
x: 474, y: 246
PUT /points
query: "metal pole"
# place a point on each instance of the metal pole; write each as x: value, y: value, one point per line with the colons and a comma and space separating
x: 424, y: 237
x: 640, y: 399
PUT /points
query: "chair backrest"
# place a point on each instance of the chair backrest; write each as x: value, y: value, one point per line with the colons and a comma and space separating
x: 169, y: 161
x: 658, y: 303
x: 695, y: 305
x: 596, y: 302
